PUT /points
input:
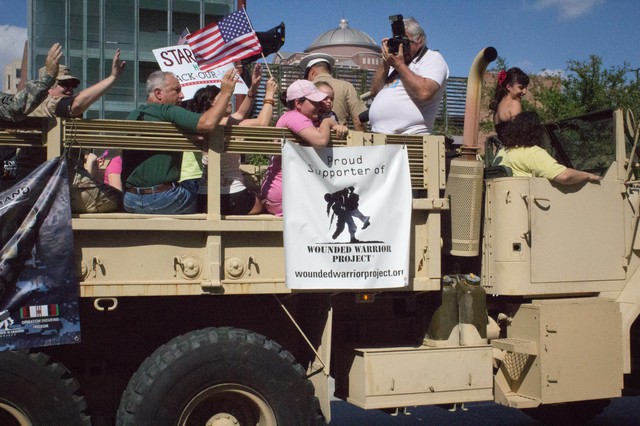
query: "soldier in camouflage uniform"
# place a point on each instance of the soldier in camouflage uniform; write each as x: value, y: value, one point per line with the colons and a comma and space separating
x: 17, y: 107
x: 63, y: 102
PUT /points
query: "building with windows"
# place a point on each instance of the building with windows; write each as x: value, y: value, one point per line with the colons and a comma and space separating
x: 11, y: 76
x: 91, y: 30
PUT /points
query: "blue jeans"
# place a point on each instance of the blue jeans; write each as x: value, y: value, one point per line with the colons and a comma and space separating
x: 192, y: 185
x: 177, y: 200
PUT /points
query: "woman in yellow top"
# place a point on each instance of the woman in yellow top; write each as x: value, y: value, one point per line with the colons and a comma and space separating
x: 522, y: 153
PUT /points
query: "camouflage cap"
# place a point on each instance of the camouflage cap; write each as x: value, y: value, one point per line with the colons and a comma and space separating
x: 64, y: 73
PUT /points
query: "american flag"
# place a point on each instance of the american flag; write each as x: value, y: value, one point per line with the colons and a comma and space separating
x: 224, y: 42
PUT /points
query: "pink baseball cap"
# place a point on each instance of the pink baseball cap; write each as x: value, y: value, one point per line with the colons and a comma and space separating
x: 305, y: 89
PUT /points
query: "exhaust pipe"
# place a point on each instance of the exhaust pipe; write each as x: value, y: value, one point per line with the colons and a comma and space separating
x: 472, y: 104
x: 464, y: 182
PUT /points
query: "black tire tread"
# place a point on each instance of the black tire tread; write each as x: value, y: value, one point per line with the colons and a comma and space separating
x: 63, y: 387
x: 163, y: 357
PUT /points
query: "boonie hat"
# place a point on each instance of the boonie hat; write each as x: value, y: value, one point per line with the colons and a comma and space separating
x: 316, y: 58
x: 64, y: 73
x: 305, y: 89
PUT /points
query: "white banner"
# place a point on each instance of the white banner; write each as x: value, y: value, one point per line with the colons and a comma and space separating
x: 181, y: 61
x: 347, y: 217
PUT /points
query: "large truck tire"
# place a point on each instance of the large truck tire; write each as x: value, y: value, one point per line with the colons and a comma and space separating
x: 34, y: 391
x: 219, y: 376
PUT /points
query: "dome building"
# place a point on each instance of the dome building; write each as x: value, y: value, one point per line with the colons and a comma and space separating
x: 350, y: 47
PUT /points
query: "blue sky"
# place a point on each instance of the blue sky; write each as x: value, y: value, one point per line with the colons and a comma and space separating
x: 532, y: 34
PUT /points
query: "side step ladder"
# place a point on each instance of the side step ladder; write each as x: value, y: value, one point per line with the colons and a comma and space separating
x: 513, y: 355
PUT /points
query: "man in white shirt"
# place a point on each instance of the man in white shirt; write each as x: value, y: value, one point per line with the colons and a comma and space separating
x: 408, y: 86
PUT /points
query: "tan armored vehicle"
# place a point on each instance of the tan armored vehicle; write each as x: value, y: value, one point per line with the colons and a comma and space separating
x: 521, y: 292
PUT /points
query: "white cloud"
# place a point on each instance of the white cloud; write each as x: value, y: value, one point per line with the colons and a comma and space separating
x: 570, y: 8
x: 552, y: 73
x: 11, y: 44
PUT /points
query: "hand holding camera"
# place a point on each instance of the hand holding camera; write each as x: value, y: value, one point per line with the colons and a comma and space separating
x: 399, y: 37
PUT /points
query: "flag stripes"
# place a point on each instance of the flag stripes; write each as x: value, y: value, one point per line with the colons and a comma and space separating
x: 226, y: 41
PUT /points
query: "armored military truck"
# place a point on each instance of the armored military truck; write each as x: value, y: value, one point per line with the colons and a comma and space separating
x: 521, y: 292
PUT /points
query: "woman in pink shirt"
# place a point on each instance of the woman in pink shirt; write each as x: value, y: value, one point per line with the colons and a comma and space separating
x: 303, y: 101
x: 112, y: 173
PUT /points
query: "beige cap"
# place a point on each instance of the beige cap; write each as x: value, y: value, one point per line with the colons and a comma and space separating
x: 64, y: 73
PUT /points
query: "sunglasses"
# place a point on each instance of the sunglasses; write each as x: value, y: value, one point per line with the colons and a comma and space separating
x: 68, y: 84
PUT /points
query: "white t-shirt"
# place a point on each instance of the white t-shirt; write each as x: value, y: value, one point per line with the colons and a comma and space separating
x: 231, y: 179
x: 393, y: 111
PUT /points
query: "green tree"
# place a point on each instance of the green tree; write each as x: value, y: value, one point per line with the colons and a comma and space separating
x: 586, y: 87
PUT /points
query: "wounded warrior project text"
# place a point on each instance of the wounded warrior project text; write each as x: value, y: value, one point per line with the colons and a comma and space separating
x: 350, y: 274
x: 344, y: 253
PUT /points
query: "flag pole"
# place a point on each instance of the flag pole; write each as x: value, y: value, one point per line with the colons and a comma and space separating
x: 266, y: 65
x: 261, y: 52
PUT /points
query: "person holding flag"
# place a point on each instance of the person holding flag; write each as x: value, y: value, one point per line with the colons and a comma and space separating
x: 151, y: 178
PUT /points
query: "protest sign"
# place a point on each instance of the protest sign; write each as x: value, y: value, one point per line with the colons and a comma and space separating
x: 180, y: 61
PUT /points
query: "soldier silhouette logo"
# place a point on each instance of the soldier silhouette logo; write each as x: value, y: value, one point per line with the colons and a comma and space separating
x: 343, y: 205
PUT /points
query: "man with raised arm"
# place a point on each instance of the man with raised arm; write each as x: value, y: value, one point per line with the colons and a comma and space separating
x: 150, y: 177
x: 17, y: 107
x: 62, y: 102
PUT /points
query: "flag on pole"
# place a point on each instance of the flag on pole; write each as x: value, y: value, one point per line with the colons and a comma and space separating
x: 226, y: 41
x: 183, y: 36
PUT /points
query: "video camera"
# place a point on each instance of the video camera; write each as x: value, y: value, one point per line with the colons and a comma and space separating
x: 399, y: 35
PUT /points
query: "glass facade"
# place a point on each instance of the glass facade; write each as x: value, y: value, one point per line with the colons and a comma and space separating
x: 91, y: 30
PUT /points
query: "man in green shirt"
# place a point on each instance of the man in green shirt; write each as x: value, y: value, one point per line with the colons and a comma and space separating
x: 151, y: 178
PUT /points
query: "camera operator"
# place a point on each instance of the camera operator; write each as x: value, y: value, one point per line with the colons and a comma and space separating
x: 408, y: 85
